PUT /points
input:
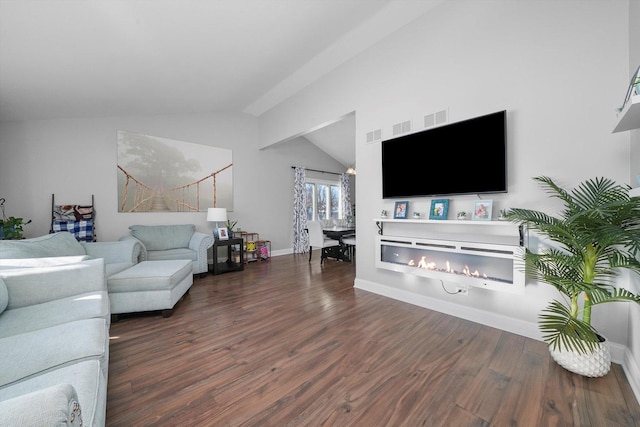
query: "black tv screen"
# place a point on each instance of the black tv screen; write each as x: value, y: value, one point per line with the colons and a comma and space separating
x: 467, y: 157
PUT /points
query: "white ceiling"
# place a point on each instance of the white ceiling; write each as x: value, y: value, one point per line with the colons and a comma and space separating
x: 101, y: 58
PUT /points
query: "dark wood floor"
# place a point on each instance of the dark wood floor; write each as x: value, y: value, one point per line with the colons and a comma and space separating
x: 288, y: 343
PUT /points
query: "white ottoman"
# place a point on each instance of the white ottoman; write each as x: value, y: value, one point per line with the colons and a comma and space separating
x: 150, y: 286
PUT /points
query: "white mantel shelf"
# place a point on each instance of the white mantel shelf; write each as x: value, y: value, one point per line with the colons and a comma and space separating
x: 446, y: 222
x: 629, y: 117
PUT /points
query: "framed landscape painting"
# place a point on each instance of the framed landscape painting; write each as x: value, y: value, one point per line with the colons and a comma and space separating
x: 164, y: 175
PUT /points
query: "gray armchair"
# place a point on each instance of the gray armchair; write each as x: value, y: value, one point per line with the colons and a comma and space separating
x: 167, y: 242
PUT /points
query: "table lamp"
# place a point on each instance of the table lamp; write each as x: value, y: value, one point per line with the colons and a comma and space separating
x: 217, y: 215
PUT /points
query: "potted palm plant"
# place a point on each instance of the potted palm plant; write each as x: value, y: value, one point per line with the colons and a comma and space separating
x: 598, y: 234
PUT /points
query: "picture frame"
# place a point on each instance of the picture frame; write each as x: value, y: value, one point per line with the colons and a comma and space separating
x: 439, y: 209
x: 223, y: 233
x: 400, y: 210
x: 482, y: 210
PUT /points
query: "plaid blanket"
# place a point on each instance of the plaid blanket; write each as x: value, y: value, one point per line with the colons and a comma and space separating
x: 82, y: 230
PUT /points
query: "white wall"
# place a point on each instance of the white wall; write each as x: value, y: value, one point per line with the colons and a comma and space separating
x: 74, y: 159
x: 633, y: 354
x: 559, y: 68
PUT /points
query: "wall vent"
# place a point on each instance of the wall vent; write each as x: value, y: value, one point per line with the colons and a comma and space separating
x: 441, y: 117
x: 406, y: 126
x: 374, y: 135
x: 429, y: 120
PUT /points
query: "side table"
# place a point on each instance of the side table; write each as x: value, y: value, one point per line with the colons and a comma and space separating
x: 230, y: 264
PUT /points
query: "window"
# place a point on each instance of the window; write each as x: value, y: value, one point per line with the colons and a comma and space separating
x: 323, y: 199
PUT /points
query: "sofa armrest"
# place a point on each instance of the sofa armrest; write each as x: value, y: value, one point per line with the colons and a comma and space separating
x: 115, y: 252
x: 201, y: 242
x: 52, y: 406
x: 143, y: 250
x: 36, y: 285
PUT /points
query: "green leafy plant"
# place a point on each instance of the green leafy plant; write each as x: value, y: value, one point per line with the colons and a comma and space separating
x: 231, y: 224
x: 598, y: 233
x: 12, y: 228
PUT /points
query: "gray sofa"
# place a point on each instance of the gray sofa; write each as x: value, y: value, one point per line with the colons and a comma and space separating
x: 118, y: 256
x: 54, y: 342
x: 133, y: 286
x: 172, y: 242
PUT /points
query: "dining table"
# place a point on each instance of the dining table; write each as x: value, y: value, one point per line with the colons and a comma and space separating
x: 337, y: 232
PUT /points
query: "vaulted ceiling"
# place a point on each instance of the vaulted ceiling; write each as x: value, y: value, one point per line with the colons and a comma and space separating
x: 100, y: 58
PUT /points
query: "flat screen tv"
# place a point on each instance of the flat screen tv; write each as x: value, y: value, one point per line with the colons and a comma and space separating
x: 467, y: 157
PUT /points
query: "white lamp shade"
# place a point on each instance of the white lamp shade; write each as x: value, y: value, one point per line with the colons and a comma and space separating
x: 217, y: 214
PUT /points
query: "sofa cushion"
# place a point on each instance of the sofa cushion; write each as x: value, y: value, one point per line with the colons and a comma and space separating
x: 36, y: 285
x: 161, y: 237
x: 50, y: 245
x: 53, y: 347
x: 151, y: 276
x: 170, y: 254
x: 4, y: 296
x: 8, y: 263
x: 39, y: 316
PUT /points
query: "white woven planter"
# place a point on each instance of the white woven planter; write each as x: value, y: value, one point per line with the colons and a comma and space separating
x: 596, y: 364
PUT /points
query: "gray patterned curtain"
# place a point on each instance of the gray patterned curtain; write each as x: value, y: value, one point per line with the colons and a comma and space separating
x: 300, y: 236
x: 347, y: 213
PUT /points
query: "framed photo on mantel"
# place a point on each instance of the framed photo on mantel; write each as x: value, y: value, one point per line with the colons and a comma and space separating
x: 482, y: 210
x: 439, y: 209
x: 400, y: 210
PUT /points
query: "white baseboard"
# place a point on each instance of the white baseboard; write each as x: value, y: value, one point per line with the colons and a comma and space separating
x: 632, y: 370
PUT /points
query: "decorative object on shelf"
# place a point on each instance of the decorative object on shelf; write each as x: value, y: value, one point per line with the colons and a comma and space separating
x: 597, y: 233
x: 11, y: 228
x: 384, y: 214
x: 400, y: 210
x: 223, y: 233
x: 230, y: 225
x: 416, y: 215
x: 482, y: 210
x: 217, y: 215
x: 502, y: 216
x: 461, y: 215
x: 439, y: 209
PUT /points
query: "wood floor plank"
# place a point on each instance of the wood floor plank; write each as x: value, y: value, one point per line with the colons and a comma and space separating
x: 291, y: 343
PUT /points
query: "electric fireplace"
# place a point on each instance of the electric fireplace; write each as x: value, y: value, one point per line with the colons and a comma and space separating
x: 483, y: 265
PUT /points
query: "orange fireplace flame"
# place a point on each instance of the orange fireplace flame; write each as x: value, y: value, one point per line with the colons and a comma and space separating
x: 427, y: 265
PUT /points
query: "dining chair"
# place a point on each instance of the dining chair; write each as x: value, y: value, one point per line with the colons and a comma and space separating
x: 317, y: 239
x: 350, y: 241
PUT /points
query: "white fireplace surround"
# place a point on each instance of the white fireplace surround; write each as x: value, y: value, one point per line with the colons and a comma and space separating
x: 470, y: 253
